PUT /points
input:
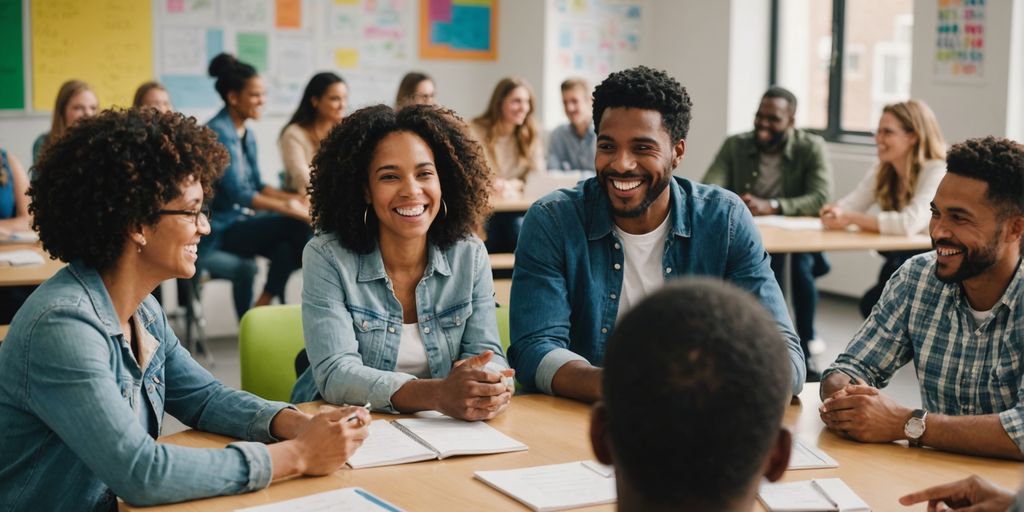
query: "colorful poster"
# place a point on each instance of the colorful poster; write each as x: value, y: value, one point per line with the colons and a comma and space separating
x: 252, y: 49
x: 597, y: 37
x: 459, y: 29
x: 288, y: 14
x: 12, y: 61
x: 960, y: 41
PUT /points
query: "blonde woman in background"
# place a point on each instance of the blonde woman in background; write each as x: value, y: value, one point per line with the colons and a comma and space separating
x: 911, y: 163
x: 322, y: 108
x: 75, y: 100
x: 153, y: 95
x: 415, y: 89
x: 510, y: 137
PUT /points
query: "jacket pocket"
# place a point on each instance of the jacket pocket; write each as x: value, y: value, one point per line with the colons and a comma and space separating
x: 452, y: 321
x: 370, y: 332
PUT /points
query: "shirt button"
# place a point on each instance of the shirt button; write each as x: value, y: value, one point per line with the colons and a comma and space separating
x: 426, y: 330
x: 149, y: 388
x: 391, y: 329
x: 365, y: 324
x: 604, y: 330
x: 617, y: 246
x: 156, y: 379
x: 668, y: 270
x: 617, y: 266
x: 612, y: 296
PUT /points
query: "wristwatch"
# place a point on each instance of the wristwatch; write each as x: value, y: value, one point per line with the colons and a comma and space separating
x: 774, y: 205
x: 915, y: 426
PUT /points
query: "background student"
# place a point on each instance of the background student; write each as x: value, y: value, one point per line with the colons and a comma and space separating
x: 572, y: 146
x: 281, y: 229
x: 153, y: 95
x: 911, y: 163
x: 510, y: 137
x: 75, y: 100
x: 397, y: 299
x: 716, y: 437
x: 14, y: 216
x: 416, y: 88
x: 322, y: 107
x: 90, y: 363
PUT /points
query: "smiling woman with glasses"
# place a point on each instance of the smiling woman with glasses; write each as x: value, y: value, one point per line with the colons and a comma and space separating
x: 90, y: 364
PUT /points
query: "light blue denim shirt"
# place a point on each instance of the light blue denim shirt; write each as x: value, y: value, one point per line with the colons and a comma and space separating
x: 79, y: 417
x: 241, y: 180
x: 568, y: 273
x: 352, y: 321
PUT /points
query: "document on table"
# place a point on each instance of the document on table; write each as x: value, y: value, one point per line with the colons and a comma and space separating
x: 21, y: 257
x: 790, y: 223
x: 556, y: 486
x: 350, y: 499
x: 809, y: 457
x: 20, y: 237
x: 820, y: 495
x: 416, y: 439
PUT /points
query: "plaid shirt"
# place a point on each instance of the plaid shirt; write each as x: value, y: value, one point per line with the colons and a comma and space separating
x: 964, y: 369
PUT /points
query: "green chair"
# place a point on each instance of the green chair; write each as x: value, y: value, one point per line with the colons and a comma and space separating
x: 501, y: 313
x: 269, y: 338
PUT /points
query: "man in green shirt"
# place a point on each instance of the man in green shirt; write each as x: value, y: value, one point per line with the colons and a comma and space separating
x: 780, y: 170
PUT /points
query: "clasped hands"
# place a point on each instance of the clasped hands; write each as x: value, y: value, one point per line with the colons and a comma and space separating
x: 473, y: 392
x: 863, y: 413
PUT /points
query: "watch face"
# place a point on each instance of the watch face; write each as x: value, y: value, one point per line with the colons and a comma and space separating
x: 914, y: 428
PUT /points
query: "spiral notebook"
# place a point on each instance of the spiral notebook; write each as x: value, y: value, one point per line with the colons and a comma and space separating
x: 415, y: 439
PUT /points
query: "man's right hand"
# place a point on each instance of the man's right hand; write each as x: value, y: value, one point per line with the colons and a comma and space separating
x: 974, y: 492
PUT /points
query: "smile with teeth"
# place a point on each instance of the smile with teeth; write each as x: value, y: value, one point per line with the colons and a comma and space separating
x: 192, y: 249
x: 947, y: 251
x: 626, y: 184
x: 411, y: 211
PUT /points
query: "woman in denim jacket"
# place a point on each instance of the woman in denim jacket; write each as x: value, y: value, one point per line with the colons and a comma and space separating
x: 398, y: 299
x: 90, y: 364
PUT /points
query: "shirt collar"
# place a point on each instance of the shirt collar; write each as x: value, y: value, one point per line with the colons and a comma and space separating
x: 598, y: 209
x: 1010, y: 296
x: 101, y: 302
x: 787, y: 150
x: 371, y: 264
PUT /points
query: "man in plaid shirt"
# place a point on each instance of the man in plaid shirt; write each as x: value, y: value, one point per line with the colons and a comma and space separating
x: 957, y: 313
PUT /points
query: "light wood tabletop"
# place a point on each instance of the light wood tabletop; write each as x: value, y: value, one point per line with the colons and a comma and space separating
x: 781, y: 240
x: 24, y: 275
x: 556, y: 430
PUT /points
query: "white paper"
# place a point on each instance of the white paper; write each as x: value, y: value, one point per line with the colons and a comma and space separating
x: 21, y: 257
x: 388, y: 445
x: 350, y: 499
x: 789, y: 223
x: 839, y: 493
x: 553, y: 487
x: 20, y: 237
x: 183, y: 51
x: 809, y: 457
x: 800, y: 496
x: 449, y: 436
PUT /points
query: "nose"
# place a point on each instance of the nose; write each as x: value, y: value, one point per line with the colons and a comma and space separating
x: 410, y: 187
x: 938, y: 230
x: 203, y: 223
x: 624, y: 161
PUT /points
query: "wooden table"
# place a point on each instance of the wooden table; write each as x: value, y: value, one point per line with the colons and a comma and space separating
x: 25, y: 275
x: 780, y: 240
x: 556, y: 430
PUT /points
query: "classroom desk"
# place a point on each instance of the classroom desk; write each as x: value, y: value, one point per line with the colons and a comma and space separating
x: 25, y: 275
x: 556, y: 429
x: 780, y: 240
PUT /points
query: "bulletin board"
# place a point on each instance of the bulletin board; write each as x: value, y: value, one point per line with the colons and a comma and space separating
x: 459, y: 29
x: 597, y: 37
x: 12, y: 60
x: 960, y: 41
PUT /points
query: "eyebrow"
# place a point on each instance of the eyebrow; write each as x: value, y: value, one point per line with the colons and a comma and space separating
x: 393, y: 167
x: 647, y: 140
x: 953, y: 209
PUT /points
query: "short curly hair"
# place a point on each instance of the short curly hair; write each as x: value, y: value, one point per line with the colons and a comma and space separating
x: 113, y: 173
x: 996, y: 161
x: 649, y: 89
x: 339, y: 174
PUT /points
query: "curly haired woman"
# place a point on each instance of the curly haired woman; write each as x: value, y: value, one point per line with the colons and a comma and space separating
x: 397, y: 299
x: 90, y: 364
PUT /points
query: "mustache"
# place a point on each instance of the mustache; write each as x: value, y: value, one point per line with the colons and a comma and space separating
x: 947, y: 243
x: 622, y: 175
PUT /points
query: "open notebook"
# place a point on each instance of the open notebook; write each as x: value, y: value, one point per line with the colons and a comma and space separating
x: 416, y: 439
x: 555, y: 486
x: 349, y: 499
x: 819, y: 495
x: 804, y: 456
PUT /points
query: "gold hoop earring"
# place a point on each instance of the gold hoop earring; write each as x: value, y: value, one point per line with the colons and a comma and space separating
x: 444, y: 209
x: 365, y: 212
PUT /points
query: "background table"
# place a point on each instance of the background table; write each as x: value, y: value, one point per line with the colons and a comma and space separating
x: 556, y: 430
x: 25, y: 275
x: 781, y: 240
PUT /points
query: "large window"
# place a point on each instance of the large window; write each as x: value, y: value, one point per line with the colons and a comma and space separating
x: 844, y: 60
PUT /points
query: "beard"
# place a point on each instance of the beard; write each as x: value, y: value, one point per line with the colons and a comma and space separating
x: 776, y: 141
x: 973, y: 263
x: 654, y: 189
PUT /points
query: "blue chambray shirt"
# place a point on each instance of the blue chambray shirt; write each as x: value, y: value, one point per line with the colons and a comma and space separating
x: 963, y: 368
x: 568, y: 272
x: 352, y: 321
x: 241, y: 179
x: 79, y: 418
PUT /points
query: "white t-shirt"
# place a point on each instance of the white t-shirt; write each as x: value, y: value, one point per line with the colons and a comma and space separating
x: 979, y: 316
x: 641, y: 270
x: 412, y: 355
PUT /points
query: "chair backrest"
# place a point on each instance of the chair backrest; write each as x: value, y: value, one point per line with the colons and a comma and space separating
x: 501, y: 313
x: 269, y: 338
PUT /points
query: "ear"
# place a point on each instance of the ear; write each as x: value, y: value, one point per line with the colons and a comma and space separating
x: 1014, y: 229
x: 677, y: 153
x: 778, y: 458
x: 232, y: 98
x: 138, y: 235
x: 366, y: 194
x: 600, y: 438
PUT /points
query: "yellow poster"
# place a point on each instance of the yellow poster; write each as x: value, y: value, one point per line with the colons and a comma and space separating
x: 107, y: 43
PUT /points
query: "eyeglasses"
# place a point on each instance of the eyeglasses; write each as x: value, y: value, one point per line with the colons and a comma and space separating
x: 203, y: 212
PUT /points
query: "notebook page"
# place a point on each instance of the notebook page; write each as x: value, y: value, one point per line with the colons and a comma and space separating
x: 839, y: 493
x: 388, y: 445
x: 553, y: 487
x: 350, y: 499
x: 449, y: 436
x: 800, y: 496
x: 804, y: 456
x: 20, y: 257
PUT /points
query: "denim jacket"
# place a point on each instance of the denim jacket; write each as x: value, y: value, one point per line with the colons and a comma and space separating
x: 352, y: 321
x: 79, y: 418
x: 239, y: 183
x: 568, y: 272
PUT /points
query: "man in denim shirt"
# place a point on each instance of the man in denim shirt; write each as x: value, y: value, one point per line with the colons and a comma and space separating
x: 586, y: 255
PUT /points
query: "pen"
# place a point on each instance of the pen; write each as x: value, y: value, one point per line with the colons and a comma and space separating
x: 353, y: 417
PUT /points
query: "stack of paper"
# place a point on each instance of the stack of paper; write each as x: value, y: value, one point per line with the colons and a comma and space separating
x: 790, y: 223
x: 821, y: 495
x: 809, y: 457
x: 350, y: 499
x: 20, y: 237
x: 416, y: 439
x: 21, y: 257
x: 557, y: 486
